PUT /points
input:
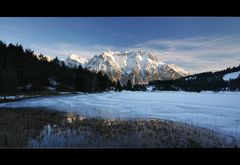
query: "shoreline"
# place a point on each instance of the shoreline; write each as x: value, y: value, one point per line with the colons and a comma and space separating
x: 24, y: 96
x: 60, y: 129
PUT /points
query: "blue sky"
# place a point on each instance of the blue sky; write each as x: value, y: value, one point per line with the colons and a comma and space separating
x: 194, y: 43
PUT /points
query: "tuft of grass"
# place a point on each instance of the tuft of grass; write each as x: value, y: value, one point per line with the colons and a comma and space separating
x: 18, y: 125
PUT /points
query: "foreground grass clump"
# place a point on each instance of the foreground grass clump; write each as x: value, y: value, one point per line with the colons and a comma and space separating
x: 44, y: 128
x: 18, y: 125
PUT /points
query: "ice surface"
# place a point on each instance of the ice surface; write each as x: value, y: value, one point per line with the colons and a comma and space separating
x: 218, y: 111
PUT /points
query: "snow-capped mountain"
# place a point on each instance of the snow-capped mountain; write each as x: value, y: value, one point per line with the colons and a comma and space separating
x: 48, y: 58
x: 75, y: 60
x: 172, y: 71
x: 138, y: 66
x: 107, y: 64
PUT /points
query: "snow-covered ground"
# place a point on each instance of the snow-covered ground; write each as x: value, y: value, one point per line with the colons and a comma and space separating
x: 230, y: 76
x: 217, y: 111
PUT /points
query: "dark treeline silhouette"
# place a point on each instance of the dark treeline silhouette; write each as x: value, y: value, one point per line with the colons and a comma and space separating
x: 201, y: 82
x: 22, y: 71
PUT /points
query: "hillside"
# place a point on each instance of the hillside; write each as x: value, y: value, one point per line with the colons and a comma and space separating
x: 225, y: 80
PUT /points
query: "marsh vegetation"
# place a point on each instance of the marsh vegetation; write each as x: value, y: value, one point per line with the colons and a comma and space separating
x: 46, y: 128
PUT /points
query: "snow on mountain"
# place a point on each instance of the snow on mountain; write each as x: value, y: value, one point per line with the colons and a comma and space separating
x: 230, y: 76
x: 171, y: 71
x: 105, y: 63
x: 138, y: 66
x: 39, y: 56
x: 178, y: 69
x: 75, y: 60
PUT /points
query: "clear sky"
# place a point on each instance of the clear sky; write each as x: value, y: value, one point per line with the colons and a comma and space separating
x: 194, y: 43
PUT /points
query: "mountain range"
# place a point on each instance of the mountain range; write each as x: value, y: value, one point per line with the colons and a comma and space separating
x: 137, y: 66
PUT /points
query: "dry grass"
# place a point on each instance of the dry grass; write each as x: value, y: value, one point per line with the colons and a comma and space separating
x: 18, y: 125
x: 45, y: 128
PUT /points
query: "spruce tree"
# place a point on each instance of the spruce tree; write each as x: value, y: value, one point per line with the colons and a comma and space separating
x: 8, y: 82
x: 129, y: 85
x: 119, y: 87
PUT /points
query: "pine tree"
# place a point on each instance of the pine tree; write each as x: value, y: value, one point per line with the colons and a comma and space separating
x: 129, y: 85
x: 8, y: 82
x: 119, y: 87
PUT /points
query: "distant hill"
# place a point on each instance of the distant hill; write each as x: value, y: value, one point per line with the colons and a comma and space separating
x: 225, y: 80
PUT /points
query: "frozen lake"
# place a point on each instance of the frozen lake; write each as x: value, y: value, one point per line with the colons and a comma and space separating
x: 217, y: 111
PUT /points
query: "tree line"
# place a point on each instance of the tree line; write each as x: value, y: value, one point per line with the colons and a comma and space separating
x: 207, y: 81
x: 22, y: 71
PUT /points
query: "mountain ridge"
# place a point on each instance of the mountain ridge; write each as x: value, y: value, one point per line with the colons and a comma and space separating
x: 75, y: 60
x: 137, y: 66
